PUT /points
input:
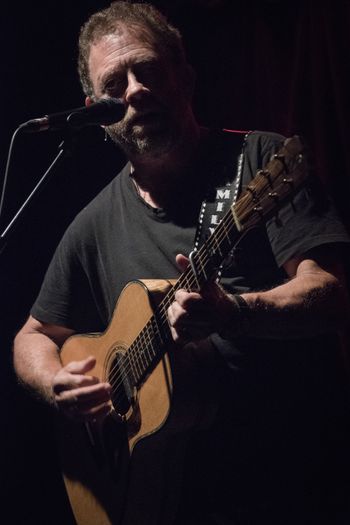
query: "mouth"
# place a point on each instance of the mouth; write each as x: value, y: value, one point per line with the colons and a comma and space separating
x: 147, y: 118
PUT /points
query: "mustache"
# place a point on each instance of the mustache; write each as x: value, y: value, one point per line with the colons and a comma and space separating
x: 135, y: 114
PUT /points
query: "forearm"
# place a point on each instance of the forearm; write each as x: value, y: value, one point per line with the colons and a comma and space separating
x: 36, y: 356
x: 70, y: 388
x: 36, y: 362
x: 307, y: 305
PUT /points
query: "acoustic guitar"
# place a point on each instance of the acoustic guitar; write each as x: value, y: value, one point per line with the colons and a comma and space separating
x: 126, y: 469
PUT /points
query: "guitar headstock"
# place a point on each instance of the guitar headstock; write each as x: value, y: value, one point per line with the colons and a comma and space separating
x: 281, y: 178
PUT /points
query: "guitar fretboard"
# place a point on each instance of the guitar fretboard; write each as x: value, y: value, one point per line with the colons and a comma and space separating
x: 280, y: 179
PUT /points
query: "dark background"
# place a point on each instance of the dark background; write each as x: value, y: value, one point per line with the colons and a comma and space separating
x: 268, y: 65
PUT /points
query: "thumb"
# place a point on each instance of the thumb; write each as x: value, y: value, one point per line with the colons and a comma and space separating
x: 182, y: 261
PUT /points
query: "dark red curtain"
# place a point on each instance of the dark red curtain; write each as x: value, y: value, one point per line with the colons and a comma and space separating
x: 269, y: 64
x: 279, y: 66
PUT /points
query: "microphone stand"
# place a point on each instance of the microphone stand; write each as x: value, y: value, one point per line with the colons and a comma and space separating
x: 64, y: 151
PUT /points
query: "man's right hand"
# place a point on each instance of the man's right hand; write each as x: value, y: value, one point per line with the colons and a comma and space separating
x: 81, y: 396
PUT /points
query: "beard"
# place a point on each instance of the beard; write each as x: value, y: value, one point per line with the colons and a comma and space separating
x: 154, y: 133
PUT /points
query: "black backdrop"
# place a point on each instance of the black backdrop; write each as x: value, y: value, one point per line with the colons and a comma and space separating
x: 271, y: 65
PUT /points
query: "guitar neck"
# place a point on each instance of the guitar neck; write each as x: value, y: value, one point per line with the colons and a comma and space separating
x: 151, y: 344
x: 206, y: 262
x: 281, y: 178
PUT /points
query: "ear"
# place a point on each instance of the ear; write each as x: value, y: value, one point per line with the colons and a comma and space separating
x: 88, y: 101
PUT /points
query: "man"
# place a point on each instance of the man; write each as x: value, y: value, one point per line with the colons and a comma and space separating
x: 282, y: 295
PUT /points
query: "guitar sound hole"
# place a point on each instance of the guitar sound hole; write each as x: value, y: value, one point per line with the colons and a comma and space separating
x: 122, y: 388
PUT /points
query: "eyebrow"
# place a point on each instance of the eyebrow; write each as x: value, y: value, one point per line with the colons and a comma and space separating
x: 118, y: 71
x: 108, y: 75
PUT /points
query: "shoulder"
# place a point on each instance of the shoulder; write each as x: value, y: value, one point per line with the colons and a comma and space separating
x: 101, y: 208
x: 92, y: 224
x: 259, y: 147
x: 260, y: 143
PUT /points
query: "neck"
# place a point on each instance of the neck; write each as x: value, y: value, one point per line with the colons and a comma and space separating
x: 156, y: 176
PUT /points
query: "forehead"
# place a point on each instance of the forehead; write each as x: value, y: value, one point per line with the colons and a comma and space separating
x: 118, y: 48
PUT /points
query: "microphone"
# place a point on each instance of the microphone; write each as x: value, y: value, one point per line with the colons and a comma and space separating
x: 103, y: 112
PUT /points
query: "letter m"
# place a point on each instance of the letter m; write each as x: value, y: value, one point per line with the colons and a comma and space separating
x: 223, y: 194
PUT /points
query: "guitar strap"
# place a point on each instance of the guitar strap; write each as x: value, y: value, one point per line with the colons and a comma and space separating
x: 213, y: 210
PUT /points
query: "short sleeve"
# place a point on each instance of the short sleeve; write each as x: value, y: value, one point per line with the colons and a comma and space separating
x: 66, y: 297
x: 307, y: 220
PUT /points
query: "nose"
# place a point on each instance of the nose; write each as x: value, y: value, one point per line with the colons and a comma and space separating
x: 135, y: 89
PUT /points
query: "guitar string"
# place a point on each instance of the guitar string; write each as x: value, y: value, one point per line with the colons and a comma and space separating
x: 146, y: 336
x: 149, y: 334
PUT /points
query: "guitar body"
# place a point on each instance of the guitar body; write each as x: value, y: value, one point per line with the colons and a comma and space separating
x: 127, y: 470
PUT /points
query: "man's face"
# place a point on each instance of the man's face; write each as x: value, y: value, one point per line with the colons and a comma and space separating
x: 125, y: 65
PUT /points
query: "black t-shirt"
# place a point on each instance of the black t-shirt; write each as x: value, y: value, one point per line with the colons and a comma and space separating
x: 118, y: 238
x: 267, y: 429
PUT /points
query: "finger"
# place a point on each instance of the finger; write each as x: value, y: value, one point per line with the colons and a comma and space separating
x: 184, y: 335
x: 182, y: 261
x: 212, y: 291
x: 89, y: 394
x: 178, y: 335
x: 190, y: 332
x: 83, y: 402
x: 197, y: 321
x: 187, y: 299
x: 65, y: 380
x: 88, y: 399
x: 175, y: 313
x: 81, y: 367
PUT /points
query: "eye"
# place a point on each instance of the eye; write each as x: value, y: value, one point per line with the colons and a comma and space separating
x: 114, y: 87
x: 147, y: 72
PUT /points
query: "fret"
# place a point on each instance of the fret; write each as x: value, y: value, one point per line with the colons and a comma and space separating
x: 148, y: 350
x: 195, y: 272
x: 205, y: 275
x: 157, y: 332
x: 203, y: 267
x: 215, y: 241
x: 130, y: 366
x: 187, y: 282
x: 136, y: 350
x: 145, y: 349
